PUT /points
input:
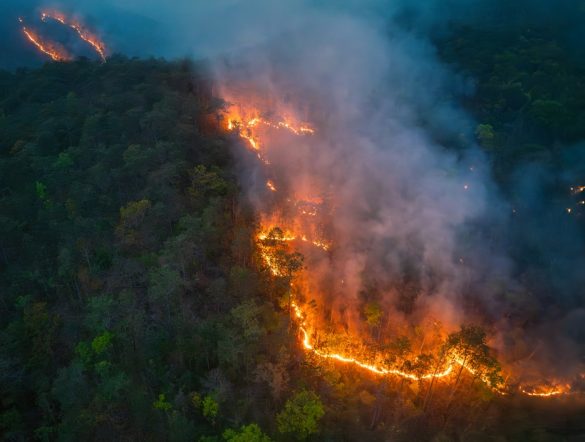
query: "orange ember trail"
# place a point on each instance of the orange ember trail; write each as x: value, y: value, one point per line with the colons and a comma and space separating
x: 245, y: 123
x: 81, y: 31
x: 46, y: 48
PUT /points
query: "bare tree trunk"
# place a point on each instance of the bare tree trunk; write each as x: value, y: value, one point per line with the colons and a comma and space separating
x: 422, y: 344
x: 3, y: 254
x: 378, y: 406
x: 452, y: 396
x: 429, y: 391
x: 77, y: 290
x: 87, y: 259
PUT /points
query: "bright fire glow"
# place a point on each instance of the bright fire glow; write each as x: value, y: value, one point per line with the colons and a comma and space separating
x: 271, y: 185
x: 247, y: 124
x: 53, y: 50
x: 83, y: 33
x: 379, y: 370
x: 290, y: 236
x: 546, y: 390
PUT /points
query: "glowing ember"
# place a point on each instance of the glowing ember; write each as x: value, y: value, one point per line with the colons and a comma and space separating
x: 546, y: 390
x: 53, y: 50
x: 81, y: 31
x: 247, y: 125
x: 271, y: 185
x: 289, y: 236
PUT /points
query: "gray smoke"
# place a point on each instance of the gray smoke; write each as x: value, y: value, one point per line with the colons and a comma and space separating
x: 406, y: 207
x: 414, y: 202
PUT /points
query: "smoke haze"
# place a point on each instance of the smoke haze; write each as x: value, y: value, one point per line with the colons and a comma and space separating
x: 413, y: 200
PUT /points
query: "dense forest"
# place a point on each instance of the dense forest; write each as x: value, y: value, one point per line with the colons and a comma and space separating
x: 132, y: 302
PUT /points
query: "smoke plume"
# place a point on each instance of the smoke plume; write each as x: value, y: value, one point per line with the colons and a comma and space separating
x: 415, y: 219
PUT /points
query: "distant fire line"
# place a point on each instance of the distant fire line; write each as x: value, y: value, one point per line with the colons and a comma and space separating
x: 47, y: 48
x: 81, y: 31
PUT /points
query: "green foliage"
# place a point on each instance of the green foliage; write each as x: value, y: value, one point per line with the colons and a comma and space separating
x: 550, y: 113
x: 469, y: 345
x: 84, y: 352
x: 206, y: 182
x: 247, y: 433
x: 162, y: 404
x: 42, y: 194
x: 196, y: 400
x: 64, y: 160
x: 209, y: 408
x: 133, y: 213
x: 71, y: 387
x: 486, y: 135
x: 41, y: 190
x: 127, y: 267
x: 527, y: 90
x: 102, y: 343
x: 301, y: 415
x: 104, y: 258
x: 373, y: 313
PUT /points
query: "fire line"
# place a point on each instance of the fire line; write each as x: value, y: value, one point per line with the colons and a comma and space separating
x: 82, y: 32
x: 46, y: 47
x: 247, y: 130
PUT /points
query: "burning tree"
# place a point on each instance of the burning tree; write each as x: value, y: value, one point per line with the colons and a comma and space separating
x: 275, y: 254
x: 468, y: 348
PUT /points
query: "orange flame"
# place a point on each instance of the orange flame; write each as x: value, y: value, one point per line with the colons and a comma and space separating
x: 271, y: 185
x: 246, y: 126
x: 290, y: 236
x: 546, y: 390
x: 246, y: 123
x: 369, y: 367
x: 53, y: 50
x: 83, y: 33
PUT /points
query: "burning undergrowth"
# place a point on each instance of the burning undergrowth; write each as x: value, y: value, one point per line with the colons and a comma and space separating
x: 376, y: 209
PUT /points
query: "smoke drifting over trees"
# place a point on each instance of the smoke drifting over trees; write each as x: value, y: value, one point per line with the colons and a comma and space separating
x: 428, y: 157
x: 415, y: 196
x: 415, y: 199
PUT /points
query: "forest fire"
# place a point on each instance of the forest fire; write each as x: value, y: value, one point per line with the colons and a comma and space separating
x: 56, y: 51
x: 53, y: 50
x: 274, y: 242
x: 308, y: 345
x: 247, y: 124
x: 546, y: 390
x: 270, y: 235
x: 83, y: 33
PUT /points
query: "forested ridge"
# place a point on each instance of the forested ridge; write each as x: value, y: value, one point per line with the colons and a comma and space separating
x: 132, y: 304
x: 128, y: 300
